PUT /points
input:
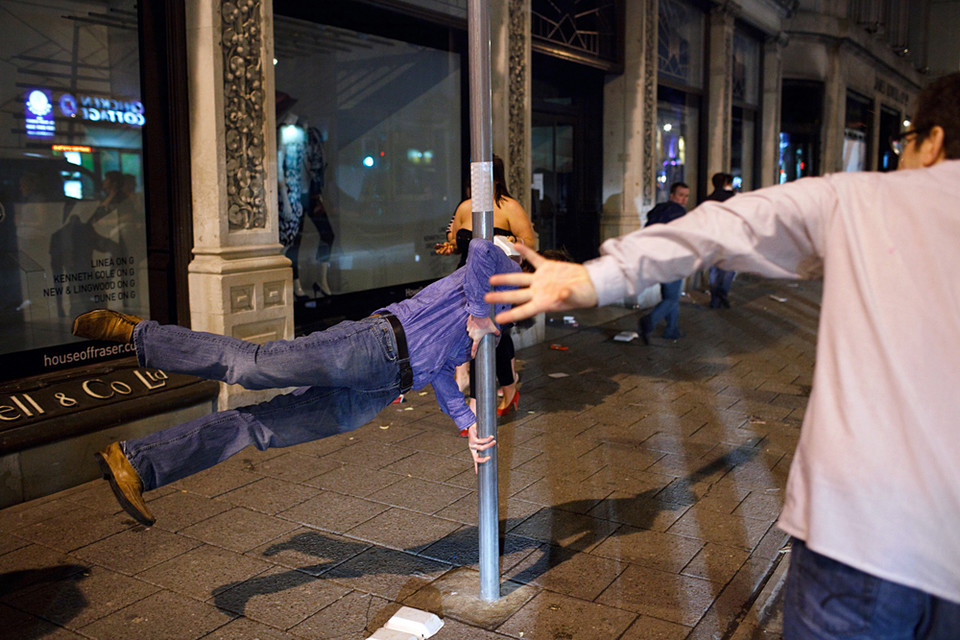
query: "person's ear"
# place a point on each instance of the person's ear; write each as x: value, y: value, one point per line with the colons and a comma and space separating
x: 931, y: 150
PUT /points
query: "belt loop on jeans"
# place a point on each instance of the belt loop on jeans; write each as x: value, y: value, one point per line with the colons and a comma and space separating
x: 403, y: 355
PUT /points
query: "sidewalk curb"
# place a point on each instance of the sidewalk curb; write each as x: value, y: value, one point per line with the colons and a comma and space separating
x: 767, y: 605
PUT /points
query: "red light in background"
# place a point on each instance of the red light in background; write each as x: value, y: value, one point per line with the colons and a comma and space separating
x: 71, y: 147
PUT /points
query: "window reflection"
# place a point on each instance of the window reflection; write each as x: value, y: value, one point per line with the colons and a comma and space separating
x: 677, y: 118
x: 369, y: 172
x: 72, y: 222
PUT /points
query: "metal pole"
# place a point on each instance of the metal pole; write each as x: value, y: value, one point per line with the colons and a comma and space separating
x: 481, y: 195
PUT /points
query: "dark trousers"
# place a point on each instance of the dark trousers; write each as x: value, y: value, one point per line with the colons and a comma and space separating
x: 826, y: 599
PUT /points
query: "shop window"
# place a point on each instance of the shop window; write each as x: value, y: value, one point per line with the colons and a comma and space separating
x: 586, y: 29
x: 743, y: 148
x: 890, y: 126
x: 454, y: 8
x: 680, y: 40
x: 678, y: 117
x: 369, y: 157
x: 745, y: 114
x: 856, y: 132
x: 801, y: 118
x: 72, y: 217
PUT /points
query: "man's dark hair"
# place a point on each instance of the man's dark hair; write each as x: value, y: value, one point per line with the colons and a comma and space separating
x: 677, y: 185
x: 720, y: 180
x: 939, y: 105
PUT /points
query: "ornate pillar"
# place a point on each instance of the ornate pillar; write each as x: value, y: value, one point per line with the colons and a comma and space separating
x: 629, y: 122
x: 834, y: 113
x: 240, y: 281
x: 510, y: 61
x: 770, y: 110
x: 510, y: 54
x: 874, y: 141
x: 720, y: 91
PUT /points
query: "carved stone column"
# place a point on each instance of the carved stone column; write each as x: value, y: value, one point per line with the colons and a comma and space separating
x: 629, y: 122
x: 510, y: 78
x: 240, y: 281
x: 720, y: 91
x: 834, y: 113
x: 770, y: 111
x: 510, y: 62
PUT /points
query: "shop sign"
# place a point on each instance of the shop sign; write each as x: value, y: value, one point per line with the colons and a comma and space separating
x: 38, y: 113
x: 103, y: 109
x: 88, y: 392
x: 884, y: 88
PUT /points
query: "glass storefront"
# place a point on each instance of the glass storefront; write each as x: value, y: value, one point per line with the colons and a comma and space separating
x: 677, y: 141
x: 369, y: 154
x: 801, y: 117
x: 680, y: 39
x: 680, y: 74
x: 856, y: 132
x: 890, y: 125
x: 746, y: 110
x: 71, y: 178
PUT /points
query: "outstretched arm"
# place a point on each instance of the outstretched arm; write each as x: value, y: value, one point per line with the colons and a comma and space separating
x: 778, y: 232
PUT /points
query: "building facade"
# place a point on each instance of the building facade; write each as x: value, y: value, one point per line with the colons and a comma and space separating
x: 266, y: 168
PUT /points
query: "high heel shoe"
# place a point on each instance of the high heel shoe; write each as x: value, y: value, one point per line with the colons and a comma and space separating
x: 513, y: 405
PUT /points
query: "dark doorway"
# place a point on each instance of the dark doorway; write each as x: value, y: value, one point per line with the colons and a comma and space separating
x: 887, y: 160
x: 801, y: 117
x: 567, y: 155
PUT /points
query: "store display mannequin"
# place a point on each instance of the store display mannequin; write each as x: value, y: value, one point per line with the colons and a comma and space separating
x: 300, y: 169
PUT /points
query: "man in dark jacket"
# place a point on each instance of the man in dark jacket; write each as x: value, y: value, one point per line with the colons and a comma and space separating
x: 721, y: 279
x: 669, y: 306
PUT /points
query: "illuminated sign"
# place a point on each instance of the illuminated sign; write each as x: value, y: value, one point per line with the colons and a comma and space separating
x: 71, y: 147
x: 38, y: 112
x: 103, y: 109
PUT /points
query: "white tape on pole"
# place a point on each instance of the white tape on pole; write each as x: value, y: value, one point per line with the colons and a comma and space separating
x: 481, y: 186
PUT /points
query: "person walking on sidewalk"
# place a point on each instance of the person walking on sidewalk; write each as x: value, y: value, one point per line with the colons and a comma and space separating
x: 669, y: 306
x: 873, y: 495
x: 721, y: 279
x: 346, y: 375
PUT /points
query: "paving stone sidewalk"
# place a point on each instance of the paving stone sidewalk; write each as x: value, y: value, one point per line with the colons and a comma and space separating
x: 639, y: 486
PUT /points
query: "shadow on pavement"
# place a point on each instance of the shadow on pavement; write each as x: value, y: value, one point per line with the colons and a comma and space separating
x: 233, y: 597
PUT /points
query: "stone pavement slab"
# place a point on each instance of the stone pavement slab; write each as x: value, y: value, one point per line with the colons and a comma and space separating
x: 638, y: 496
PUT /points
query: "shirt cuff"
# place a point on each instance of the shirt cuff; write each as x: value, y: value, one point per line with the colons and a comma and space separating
x: 608, y: 280
x: 465, y: 419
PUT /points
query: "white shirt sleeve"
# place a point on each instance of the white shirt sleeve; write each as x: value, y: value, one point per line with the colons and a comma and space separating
x: 776, y: 232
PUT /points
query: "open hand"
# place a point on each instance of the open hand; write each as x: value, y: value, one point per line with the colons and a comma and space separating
x: 553, y: 286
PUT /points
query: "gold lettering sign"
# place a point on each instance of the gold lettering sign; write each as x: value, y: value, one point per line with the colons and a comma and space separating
x: 65, y: 397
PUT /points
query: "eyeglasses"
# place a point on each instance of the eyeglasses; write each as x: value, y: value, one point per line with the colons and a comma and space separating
x: 899, y: 141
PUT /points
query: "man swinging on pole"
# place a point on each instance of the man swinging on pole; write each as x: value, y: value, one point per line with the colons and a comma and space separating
x: 345, y: 375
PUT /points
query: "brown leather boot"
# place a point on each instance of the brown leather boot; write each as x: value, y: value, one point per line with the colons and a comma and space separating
x: 126, y: 484
x: 104, y: 324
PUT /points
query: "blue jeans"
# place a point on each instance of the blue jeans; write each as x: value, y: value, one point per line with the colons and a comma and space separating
x: 347, y: 374
x: 720, y: 281
x: 669, y: 308
x: 825, y: 599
